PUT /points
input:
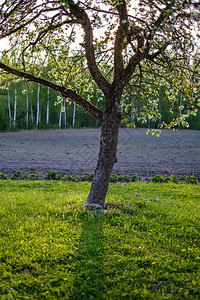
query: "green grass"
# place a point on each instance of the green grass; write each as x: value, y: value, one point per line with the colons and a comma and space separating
x: 139, y: 248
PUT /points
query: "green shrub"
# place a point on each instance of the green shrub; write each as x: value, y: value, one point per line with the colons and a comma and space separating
x: 75, y: 178
x: 165, y: 178
x: 174, y: 178
x: 87, y: 176
x: 191, y: 179
x: 51, y: 175
x: 3, y: 176
x: 113, y: 178
x: 157, y: 178
x: 17, y: 176
x: 124, y: 178
x: 64, y: 176
x: 134, y: 177
x: 34, y: 176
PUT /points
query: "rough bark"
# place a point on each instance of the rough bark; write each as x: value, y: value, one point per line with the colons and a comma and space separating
x: 106, y: 159
x: 108, y: 150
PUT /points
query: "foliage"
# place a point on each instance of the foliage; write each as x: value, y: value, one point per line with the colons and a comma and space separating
x: 113, y: 178
x: 191, y: 179
x: 52, y: 247
x: 3, y: 176
x: 87, y: 176
x: 176, y: 179
x: 34, y: 176
x: 82, y: 119
x: 164, y: 88
x: 18, y: 175
x: 51, y: 175
x: 134, y: 177
x: 28, y: 176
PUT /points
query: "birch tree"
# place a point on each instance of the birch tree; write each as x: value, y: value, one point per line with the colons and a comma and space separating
x: 47, y: 118
x: 27, y: 107
x: 135, y: 41
x: 9, y: 110
x: 74, y: 115
x: 15, y: 107
x: 60, y: 115
x: 38, y: 105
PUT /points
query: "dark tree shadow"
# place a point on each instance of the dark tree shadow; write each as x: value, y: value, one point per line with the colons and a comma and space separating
x: 89, y: 277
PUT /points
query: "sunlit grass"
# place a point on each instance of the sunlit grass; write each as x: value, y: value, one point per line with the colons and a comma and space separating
x: 144, y: 246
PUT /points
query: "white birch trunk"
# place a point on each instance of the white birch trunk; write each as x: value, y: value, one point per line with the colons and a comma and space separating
x: 27, y: 108
x: 38, y: 105
x: 47, y: 122
x: 60, y: 117
x: 122, y: 109
x: 15, y: 107
x: 65, y: 116
x: 32, y: 118
x: 74, y: 115
x: 9, y: 111
x: 132, y: 115
x: 180, y: 111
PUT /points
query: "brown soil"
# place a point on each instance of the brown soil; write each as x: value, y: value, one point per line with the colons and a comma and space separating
x: 75, y: 151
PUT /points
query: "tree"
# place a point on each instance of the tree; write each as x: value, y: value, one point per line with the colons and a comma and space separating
x: 9, y: 110
x: 136, y: 41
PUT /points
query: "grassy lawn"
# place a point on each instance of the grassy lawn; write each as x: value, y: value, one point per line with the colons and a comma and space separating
x: 139, y: 248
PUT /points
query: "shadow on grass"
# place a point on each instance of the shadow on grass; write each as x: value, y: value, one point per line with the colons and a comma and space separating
x: 89, y: 277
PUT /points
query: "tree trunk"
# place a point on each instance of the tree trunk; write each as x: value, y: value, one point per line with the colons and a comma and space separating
x: 132, y: 115
x: 9, y: 111
x: 74, y: 115
x: 32, y: 118
x: 180, y: 111
x: 60, y: 117
x: 65, y: 116
x: 27, y: 108
x: 38, y: 106
x: 47, y: 120
x: 15, y: 107
x: 106, y: 159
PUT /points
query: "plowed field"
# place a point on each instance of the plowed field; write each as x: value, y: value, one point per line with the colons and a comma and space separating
x: 76, y: 150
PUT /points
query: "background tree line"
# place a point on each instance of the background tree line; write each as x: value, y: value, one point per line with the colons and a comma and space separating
x: 39, y: 107
x: 30, y: 106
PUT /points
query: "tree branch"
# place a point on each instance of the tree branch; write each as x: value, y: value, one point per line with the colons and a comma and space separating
x: 7, y: 15
x: 43, y: 32
x: 121, y: 33
x: 157, y: 53
x: 156, y: 25
x: 130, y: 68
x: 68, y: 93
x: 80, y: 14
